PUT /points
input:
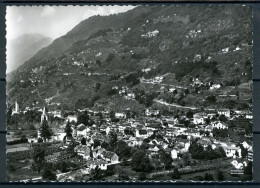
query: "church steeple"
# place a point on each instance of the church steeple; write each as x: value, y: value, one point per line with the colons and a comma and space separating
x: 44, y: 115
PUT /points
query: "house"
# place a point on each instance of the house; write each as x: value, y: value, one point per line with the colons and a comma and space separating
x: 59, y: 136
x: 100, y: 163
x: 130, y: 96
x: 153, y: 150
x: 208, y: 128
x: 83, y: 151
x: 141, y: 133
x: 237, y: 165
x: 180, y: 128
x: 190, y: 133
x: 110, y: 157
x: 250, y: 154
x: 173, y: 152
x: 149, y: 112
x: 215, y: 86
x: 133, y: 141
x: 97, y: 151
x: 218, y: 125
x: 57, y: 113
x: 119, y: 115
x: 182, y: 145
x: 172, y: 90
x: 72, y: 118
x: 82, y: 130
x: 205, y: 142
x: 224, y: 112
x: 198, y: 118
x: 171, y: 132
x: 231, y: 150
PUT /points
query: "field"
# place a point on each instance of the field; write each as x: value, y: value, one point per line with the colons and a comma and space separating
x: 20, y: 170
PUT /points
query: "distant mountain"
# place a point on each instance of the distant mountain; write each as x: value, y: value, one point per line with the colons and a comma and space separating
x: 211, y: 43
x: 23, y: 48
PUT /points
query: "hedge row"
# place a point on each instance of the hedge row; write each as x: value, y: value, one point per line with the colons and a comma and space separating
x: 21, y: 155
x: 20, y: 141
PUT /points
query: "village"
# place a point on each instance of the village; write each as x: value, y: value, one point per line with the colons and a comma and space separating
x: 92, y: 144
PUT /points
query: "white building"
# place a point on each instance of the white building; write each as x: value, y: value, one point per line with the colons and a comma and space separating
x: 224, y: 112
x: 119, y: 115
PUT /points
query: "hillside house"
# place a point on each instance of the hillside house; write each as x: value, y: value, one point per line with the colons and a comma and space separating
x: 192, y: 133
x: 59, y: 136
x: 198, y: 118
x: 174, y: 153
x: 100, y: 163
x: 204, y: 142
x: 219, y: 125
x: 110, y: 157
x: 247, y: 145
x: 82, y: 130
x: 237, y: 165
x: 72, y: 118
x: 130, y: 96
x: 84, y: 151
x: 141, y: 133
x: 97, y: 152
x: 215, y: 86
x: 231, y: 150
x: 153, y: 150
x: 120, y: 115
x: 56, y: 113
x: 149, y: 112
x: 133, y: 141
x: 224, y: 112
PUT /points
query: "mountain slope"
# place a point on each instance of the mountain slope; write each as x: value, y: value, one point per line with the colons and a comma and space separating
x: 180, y: 43
x: 23, y: 48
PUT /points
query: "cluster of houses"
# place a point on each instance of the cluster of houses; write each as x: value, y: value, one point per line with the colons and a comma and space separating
x: 157, y: 131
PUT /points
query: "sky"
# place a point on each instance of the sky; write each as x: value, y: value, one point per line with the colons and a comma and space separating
x: 52, y: 21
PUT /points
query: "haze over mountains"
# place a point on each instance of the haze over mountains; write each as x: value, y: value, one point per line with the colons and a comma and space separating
x: 23, y: 48
x: 178, y: 43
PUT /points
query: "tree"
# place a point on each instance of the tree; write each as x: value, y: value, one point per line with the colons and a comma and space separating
x: 96, y: 143
x: 211, y: 99
x: 248, y: 169
x: 96, y: 174
x: 140, y: 162
x: 45, y: 133
x: 9, y: 115
x: 175, y: 174
x: 40, y: 140
x: 112, y: 140
x: 142, y: 176
x: 220, y: 176
x: 98, y: 85
x: 166, y: 159
x: 208, y: 177
x: 187, y: 159
x: 83, y: 118
x: 98, y: 62
x: 189, y: 114
x: 38, y: 154
x: 244, y: 151
x: 123, y: 150
x: 68, y: 129
x: 83, y: 141
x: 222, y: 118
x: 48, y: 174
x: 186, y: 91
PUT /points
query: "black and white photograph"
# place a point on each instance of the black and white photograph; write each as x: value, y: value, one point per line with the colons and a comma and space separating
x: 129, y: 93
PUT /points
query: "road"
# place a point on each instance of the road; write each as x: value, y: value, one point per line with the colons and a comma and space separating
x: 175, y: 105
